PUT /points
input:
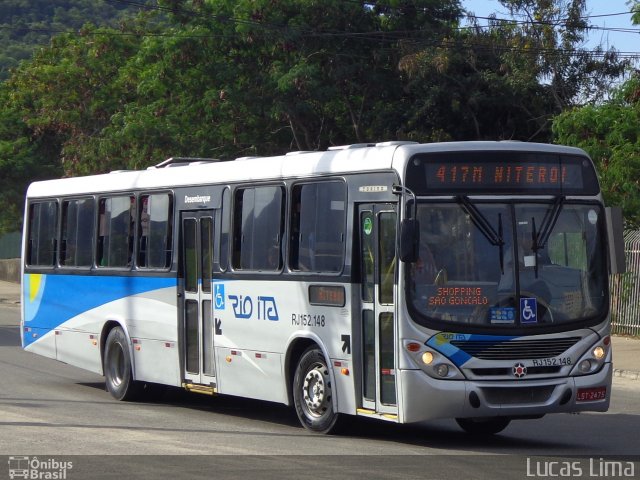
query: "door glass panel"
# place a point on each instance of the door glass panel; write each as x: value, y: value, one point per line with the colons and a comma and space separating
x: 387, y: 246
x: 225, y: 228
x: 190, y: 257
x: 369, y: 354
x: 207, y: 339
x: 366, y: 229
x: 387, y: 364
x: 206, y: 244
x: 192, y: 351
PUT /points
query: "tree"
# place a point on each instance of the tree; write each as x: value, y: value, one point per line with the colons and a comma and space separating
x: 70, y: 91
x: 26, y: 25
x: 634, y: 5
x: 51, y: 107
x: 508, y: 80
x: 609, y: 133
x: 555, y: 32
x: 313, y: 77
x: 21, y: 158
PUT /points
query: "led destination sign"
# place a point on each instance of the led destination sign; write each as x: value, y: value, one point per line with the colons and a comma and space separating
x: 497, y: 176
x: 501, y: 172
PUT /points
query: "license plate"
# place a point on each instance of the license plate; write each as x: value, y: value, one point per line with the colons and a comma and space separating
x: 591, y: 394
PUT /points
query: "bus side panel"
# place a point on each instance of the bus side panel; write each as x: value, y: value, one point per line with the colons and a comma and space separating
x: 37, y: 335
x: 78, y: 348
x: 152, y: 325
x: 261, y: 318
x: 157, y: 361
x: 252, y: 374
x: 72, y: 310
x: 41, y: 341
x: 149, y: 320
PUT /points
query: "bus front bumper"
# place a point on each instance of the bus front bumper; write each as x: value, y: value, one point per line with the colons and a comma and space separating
x: 425, y: 398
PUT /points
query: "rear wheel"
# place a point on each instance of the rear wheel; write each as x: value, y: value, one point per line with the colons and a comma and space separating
x: 483, y: 426
x: 117, y: 367
x: 313, y: 393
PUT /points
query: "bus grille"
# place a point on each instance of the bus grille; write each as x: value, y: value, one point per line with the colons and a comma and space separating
x: 515, y: 349
x: 512, y: 396
x: 502, y: 372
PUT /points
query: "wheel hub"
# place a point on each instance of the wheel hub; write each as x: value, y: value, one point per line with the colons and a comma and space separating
x: 316, y: 390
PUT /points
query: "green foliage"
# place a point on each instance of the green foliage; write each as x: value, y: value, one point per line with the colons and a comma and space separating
x: 27, y: 25
x: 22, y: 158
x: 609, y: 133
x: 509, y: 80
x: 634, y: 6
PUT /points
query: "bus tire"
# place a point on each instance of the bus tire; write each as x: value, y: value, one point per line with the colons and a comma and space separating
x: 117, y: 367
x: 483, y: 426
x: 313, y: 393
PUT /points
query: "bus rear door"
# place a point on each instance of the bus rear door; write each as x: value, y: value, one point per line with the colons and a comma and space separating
x: 197, y: 268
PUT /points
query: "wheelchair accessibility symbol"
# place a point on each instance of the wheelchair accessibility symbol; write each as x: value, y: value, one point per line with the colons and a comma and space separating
x: 528, y: 310
x: 219, y: 296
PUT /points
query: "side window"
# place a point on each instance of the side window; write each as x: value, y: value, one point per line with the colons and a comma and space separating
x: 115, y: 235
x: 317, y: 227
x: 155, y: 231
x: 43, y: 218
x: 76, y: 248
x: 257, y: 228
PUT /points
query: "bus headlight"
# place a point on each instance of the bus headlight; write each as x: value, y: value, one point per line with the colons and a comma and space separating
x: 432, y: 362
x: 595, y: 357
x: 442, y: 370
x: 584, y: 366
x: 427, y: 358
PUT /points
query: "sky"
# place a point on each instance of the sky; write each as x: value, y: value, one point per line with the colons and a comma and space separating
x: 621, y: 41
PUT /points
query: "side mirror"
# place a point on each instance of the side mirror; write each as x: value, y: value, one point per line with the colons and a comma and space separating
x: 409, y: 240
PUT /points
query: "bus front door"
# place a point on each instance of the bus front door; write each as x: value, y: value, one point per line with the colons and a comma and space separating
x: 197, y: 268
x: 377, y: 233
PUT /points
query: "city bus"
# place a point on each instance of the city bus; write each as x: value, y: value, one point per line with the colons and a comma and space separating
x: 398, y: 281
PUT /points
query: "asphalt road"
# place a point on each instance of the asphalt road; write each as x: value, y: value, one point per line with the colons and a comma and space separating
x: 57, y: 412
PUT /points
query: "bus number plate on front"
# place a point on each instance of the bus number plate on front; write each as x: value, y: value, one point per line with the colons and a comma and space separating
x: 591, y: 394
x: 551, y: 362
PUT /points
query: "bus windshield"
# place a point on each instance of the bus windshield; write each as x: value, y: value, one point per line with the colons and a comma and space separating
x: 508, y: 265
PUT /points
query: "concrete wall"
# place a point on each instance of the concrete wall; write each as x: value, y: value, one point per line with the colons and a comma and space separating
x: 10, y: 270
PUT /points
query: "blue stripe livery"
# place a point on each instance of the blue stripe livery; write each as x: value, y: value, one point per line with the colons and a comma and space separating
x: 51, y: 300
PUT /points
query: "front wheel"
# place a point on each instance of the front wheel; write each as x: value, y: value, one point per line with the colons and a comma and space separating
x: 117, y: 367
x: 483, y: 426
x: 313, y: 393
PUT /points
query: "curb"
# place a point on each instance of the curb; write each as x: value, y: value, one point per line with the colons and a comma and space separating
x: 629, y: 374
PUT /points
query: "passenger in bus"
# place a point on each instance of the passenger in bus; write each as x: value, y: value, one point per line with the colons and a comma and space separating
x: 425, y: 270
x: 273, y: 258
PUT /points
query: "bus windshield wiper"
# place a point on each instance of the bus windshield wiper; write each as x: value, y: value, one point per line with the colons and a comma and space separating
x: 549, y: 220
x: 485, y: 227
x: 540, y: 238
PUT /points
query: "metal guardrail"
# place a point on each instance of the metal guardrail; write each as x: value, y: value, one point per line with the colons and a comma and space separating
x: 625, y: 290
